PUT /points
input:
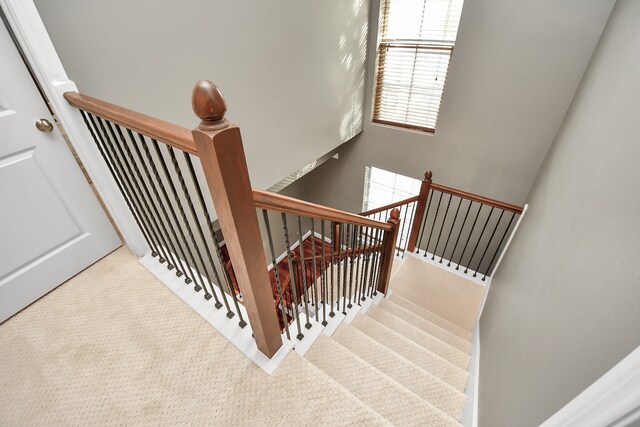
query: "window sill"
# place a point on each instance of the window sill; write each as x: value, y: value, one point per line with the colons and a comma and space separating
x: 398, y: 127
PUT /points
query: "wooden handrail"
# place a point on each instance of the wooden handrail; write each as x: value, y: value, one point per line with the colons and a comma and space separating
x: 168, y: 133
x: 477, y: 198
x: 391, y: 206
x: 280, y: 203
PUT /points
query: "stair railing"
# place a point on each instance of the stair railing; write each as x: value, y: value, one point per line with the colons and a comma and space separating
x: 462, y: 229
x: 172, y: 178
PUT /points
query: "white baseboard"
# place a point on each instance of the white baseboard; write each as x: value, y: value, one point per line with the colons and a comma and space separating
x: 470, y: 413
x: 241, y: 338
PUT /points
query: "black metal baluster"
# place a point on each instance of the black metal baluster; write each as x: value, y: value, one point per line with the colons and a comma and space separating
x: 352, y: 244
x: 356, y: 296
x: 478, y: 242
x: 214, y: 239
x: 293, y: 285
x: 137, y: 216
x: 196, y: 248
x: 424, y: 222
x: 283, y: 311
x: 464, y: 221
x: 154, y: 186
x: 345, y: 237
x: 488, y: 243
x: 455, y: 217
x: 499, y: 245
x: 402, y: 227
x: 376, y: 264
x: 185, y: 252
x: 444, y: 218
x: 135, y: 189
x: 334, y: 280
x: 188, y: 254
x: 469, y: 237
x: 303, y: 272
x: 365, y: 264
x: 156, y: 203
x: 435, y: 219
x: 324, y: 276
x: 314, y: 269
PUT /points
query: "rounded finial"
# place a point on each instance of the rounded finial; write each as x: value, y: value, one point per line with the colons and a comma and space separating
x: 395, y: 213
x: 428, y: 175
x: 209, y: 104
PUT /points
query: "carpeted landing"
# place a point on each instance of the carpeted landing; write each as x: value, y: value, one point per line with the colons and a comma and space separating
x: 113, y: 346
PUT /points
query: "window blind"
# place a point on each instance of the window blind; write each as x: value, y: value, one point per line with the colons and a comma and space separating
x: 416, y: 42
x: 382, y: 187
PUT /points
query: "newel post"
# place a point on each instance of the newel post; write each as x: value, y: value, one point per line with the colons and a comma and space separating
x: 388, y: 249
x: 220, y: 150
x: 419, y: 213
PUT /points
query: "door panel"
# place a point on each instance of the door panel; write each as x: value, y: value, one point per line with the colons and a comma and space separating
x: 51, y: 224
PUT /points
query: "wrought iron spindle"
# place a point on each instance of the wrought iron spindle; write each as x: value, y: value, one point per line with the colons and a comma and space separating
x: 333, y: 269
x: 214, y: 239
x: 365, y: 264
x: 356, y: 252
x: 376, y: 264
x: 424, y: 222
x: 488, y: 243
x: 469, y: 237
x: 444, y: 218
x: 464, y: 221
x: 345, y: 236
x: 156, y: 203
x: 194, y: 216
x: 274, y: 263
x: 506, y: 231
x: 303, y: 272
x: 324, y: 277
x: 161, y: 202
x: 137, y: 216
x: 314, y: 269
x: 402, y: 227
x: 183, y: 245
x: 412, y: 219
x: 455, y: 217
x: 435, y: 219
x: 292, y: 285
x: 133, y: 187
x: 351, y: 245
x: 478, y: 242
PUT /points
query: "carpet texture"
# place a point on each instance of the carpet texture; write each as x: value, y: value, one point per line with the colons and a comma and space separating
x: 113, y: 346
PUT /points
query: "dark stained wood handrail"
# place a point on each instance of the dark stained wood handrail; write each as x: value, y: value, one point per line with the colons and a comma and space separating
x: 280, y: 203
x: 477, y: 198
x: 391, y: 206
x: 168, y: 133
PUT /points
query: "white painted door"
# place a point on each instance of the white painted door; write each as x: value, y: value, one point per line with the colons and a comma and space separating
x: 51, y: 224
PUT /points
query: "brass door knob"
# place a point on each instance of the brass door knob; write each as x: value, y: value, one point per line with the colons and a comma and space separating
x: 44, y: 125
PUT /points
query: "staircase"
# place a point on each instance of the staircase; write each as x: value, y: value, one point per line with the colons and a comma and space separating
x: 403, y: 361
x: 362, y: 297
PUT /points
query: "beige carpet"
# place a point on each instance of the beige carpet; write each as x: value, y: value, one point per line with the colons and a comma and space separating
x: 439, y: 291
x: 115, y: 347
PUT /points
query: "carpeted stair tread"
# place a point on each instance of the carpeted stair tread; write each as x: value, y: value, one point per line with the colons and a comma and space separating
x: 383, y: 394
x: 437, y: 392
x: 430, y: 316
x: 420, y: 337
x: 434, y: 364
x: 426, y: 326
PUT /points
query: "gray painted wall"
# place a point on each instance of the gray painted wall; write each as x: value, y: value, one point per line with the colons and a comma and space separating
x: 515, y: 69
x: 292, y: 72
x: 563, y: 308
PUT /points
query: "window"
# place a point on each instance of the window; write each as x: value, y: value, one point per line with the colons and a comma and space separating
x: 382, y: 187
x: 416, y: 38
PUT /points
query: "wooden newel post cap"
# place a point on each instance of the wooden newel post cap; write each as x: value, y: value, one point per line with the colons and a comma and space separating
x: 209, y: 105
x: 428, y: 175
x: 395, y: 214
